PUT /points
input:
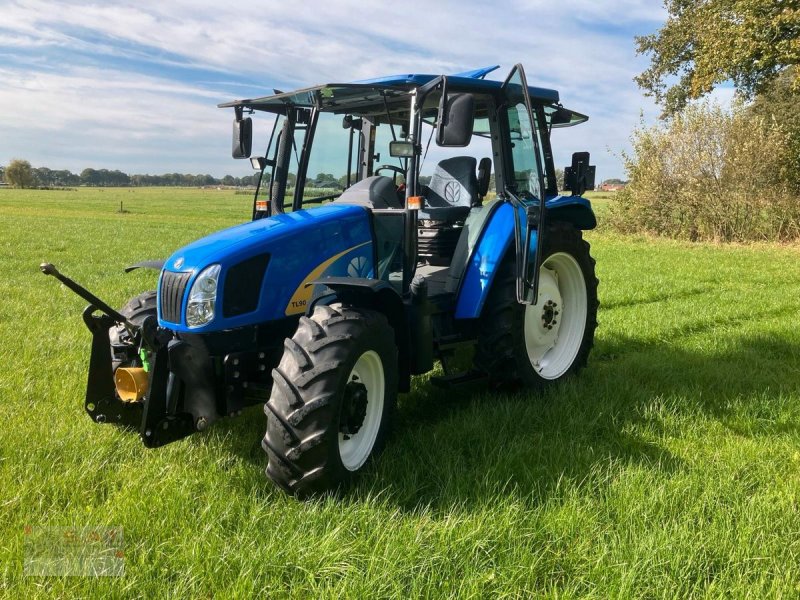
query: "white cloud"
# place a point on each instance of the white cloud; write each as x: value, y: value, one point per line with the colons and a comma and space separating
x: 602, y: 13
x: 574, y: 46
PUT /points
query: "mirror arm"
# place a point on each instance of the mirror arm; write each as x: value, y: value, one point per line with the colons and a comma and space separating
x: 424, y: 90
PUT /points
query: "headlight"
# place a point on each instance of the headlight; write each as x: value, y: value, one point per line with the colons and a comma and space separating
x: 203, y: 297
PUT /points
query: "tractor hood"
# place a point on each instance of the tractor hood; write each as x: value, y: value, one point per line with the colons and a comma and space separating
x: 264, y: 265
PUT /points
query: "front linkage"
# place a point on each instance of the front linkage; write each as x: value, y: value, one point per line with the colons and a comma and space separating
x: 178, y: 394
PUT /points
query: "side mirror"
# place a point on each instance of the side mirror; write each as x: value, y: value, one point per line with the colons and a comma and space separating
x: 348, y: 122
x: 242, y: 138
x: 580, y: 176
x: 456, y: 119
x: 401, y: 149
x: 258, y: 163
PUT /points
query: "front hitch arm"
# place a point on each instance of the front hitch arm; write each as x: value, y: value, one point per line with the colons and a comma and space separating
x: 50, y: 269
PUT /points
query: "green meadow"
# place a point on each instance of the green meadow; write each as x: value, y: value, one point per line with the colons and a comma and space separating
x: 669, y: 468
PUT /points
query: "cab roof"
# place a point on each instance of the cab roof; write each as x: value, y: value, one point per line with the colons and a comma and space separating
x: 346, y: 97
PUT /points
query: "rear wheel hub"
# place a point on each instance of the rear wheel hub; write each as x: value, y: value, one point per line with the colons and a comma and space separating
x: 354, y: 407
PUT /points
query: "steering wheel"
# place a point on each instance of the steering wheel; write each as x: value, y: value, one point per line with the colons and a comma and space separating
x: 396, y: 170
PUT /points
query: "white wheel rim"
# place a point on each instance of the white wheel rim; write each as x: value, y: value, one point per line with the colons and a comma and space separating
x: 354, y: 449
x: 554, y: 326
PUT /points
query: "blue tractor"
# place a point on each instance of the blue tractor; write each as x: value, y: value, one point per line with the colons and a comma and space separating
x: 358, y: 271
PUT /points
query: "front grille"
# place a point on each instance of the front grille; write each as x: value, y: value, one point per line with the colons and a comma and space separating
x: 173, y: 287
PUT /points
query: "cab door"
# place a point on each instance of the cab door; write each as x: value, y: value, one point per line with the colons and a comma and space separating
x: 524, y: 181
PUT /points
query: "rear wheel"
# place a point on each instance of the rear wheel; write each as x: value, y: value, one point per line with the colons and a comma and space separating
x: 539, y: 344
x: 332, y: 398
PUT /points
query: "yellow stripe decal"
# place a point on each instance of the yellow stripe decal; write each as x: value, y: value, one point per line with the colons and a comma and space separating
x: 299, y: 300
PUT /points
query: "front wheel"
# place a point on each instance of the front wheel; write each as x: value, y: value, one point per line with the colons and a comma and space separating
x: 332, y: 398
x: 542, y: 343
x: 124, y: 352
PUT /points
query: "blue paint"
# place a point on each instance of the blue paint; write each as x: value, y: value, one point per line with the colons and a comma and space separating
x: 297, y: 242
x: 497, y: 237
x: 561, y: 201
x: 477, y: 73
x: 466, y: 82
x: 572, y: 209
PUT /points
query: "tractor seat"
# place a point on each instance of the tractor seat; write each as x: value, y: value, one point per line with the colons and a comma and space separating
x: 453, y: 190
x: 372, y: 192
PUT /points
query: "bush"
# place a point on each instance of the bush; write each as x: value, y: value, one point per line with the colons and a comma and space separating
x: 710, y: 174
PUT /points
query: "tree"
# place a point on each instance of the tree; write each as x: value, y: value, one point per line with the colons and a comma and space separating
x: 707, y: 42
x: 560, y: 178
x: 324, y: 180
x: 19, y: 173
x: 780, y: 104
x: 66, y: 177
x: 89, y: 176
x: 44, y: 176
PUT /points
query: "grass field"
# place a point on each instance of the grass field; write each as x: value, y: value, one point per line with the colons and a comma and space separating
x: 669, y: 468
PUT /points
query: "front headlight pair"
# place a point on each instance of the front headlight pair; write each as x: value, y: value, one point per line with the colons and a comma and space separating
x: 203, y: 297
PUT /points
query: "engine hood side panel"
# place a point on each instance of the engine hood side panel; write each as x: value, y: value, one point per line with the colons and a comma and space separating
x: 333, y: 240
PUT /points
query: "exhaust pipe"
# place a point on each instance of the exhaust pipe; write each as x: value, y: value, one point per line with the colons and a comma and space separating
x: 131, y: 383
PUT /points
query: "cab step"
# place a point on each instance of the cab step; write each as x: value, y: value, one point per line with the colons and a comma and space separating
x: 458, y: 379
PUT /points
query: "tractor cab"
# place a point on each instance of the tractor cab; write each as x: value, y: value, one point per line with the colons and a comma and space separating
x: 429, y: 156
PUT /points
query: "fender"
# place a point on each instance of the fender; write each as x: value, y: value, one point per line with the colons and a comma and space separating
x: 572, y: 209
x: 379, y: 295
x: 497, y: 236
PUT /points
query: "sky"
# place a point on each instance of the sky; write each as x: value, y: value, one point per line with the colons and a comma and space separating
x: 134, y: 85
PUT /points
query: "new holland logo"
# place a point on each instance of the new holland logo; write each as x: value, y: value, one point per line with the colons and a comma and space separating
x: 178, y: 262
x: 452, y: 192
x: 358, y: 267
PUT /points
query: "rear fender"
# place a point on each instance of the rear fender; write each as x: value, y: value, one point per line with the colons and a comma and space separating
x: 572, y: 209
x: 496, y: 238
x: 378, y: 295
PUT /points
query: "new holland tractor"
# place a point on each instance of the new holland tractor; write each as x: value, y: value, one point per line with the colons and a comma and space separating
x: 358, y: 271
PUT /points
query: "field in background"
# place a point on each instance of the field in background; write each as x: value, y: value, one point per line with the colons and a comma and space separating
x: 669, y: 468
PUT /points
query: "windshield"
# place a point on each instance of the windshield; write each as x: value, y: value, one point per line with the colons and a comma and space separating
x: 326, y: 174
x: 346, y: 147
x: 334, y: 159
